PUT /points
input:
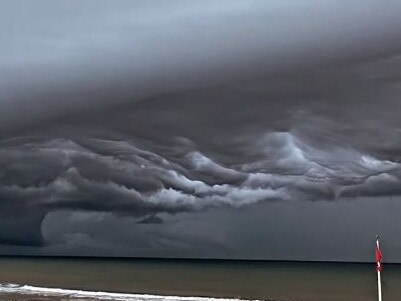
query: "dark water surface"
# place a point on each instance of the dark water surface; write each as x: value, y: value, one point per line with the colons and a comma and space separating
x: 235, y: 279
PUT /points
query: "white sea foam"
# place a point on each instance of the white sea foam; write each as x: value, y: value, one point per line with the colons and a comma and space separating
x: 57, y: 292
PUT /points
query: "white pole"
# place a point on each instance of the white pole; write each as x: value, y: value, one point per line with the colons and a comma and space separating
x: 379, y: 280
x: 379, y: 286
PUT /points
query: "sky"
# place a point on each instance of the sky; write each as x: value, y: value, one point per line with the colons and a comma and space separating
x: 201, y: 129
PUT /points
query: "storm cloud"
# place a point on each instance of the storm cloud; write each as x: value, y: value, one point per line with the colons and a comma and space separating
x: 142, y: 113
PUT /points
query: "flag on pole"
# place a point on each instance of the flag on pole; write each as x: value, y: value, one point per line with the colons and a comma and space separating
x: 378, y: 256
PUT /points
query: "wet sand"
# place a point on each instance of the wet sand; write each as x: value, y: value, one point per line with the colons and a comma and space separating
x: 33, y: 297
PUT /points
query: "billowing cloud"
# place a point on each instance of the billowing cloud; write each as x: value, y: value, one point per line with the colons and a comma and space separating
x: 46, y: 175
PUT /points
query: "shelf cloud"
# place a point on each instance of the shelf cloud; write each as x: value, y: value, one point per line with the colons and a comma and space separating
x: 140, y: 114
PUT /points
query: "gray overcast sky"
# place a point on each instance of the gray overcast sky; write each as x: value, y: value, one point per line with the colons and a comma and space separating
x: 229, y: 129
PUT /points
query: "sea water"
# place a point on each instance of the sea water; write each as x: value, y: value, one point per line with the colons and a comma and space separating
x: 30, y: 278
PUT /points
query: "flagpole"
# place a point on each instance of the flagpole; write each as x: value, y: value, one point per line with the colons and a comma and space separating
x: 378, y: 269
x: 379, y: 286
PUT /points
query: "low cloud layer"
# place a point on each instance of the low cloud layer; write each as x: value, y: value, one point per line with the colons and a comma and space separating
x: 112, y: 176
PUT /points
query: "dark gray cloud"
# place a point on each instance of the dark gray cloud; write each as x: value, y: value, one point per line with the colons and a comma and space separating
x: 340, y: 230
x: 118, y: 177
x: 140, y: 115
x: 61, y: 58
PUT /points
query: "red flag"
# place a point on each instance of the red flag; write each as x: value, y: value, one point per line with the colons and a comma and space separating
x: 378, y: 256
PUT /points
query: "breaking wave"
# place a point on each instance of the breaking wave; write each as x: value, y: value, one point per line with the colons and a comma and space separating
x: 97, y: 295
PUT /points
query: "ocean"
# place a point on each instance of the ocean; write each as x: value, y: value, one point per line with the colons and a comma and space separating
x: 44, y: 278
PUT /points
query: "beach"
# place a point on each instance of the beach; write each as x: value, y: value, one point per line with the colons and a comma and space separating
x: 29, y: 278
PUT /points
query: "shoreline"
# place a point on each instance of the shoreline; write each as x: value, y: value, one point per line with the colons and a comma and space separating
x: 27, y: 292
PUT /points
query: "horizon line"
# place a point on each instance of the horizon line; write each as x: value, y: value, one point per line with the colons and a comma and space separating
x: 90, y: 257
